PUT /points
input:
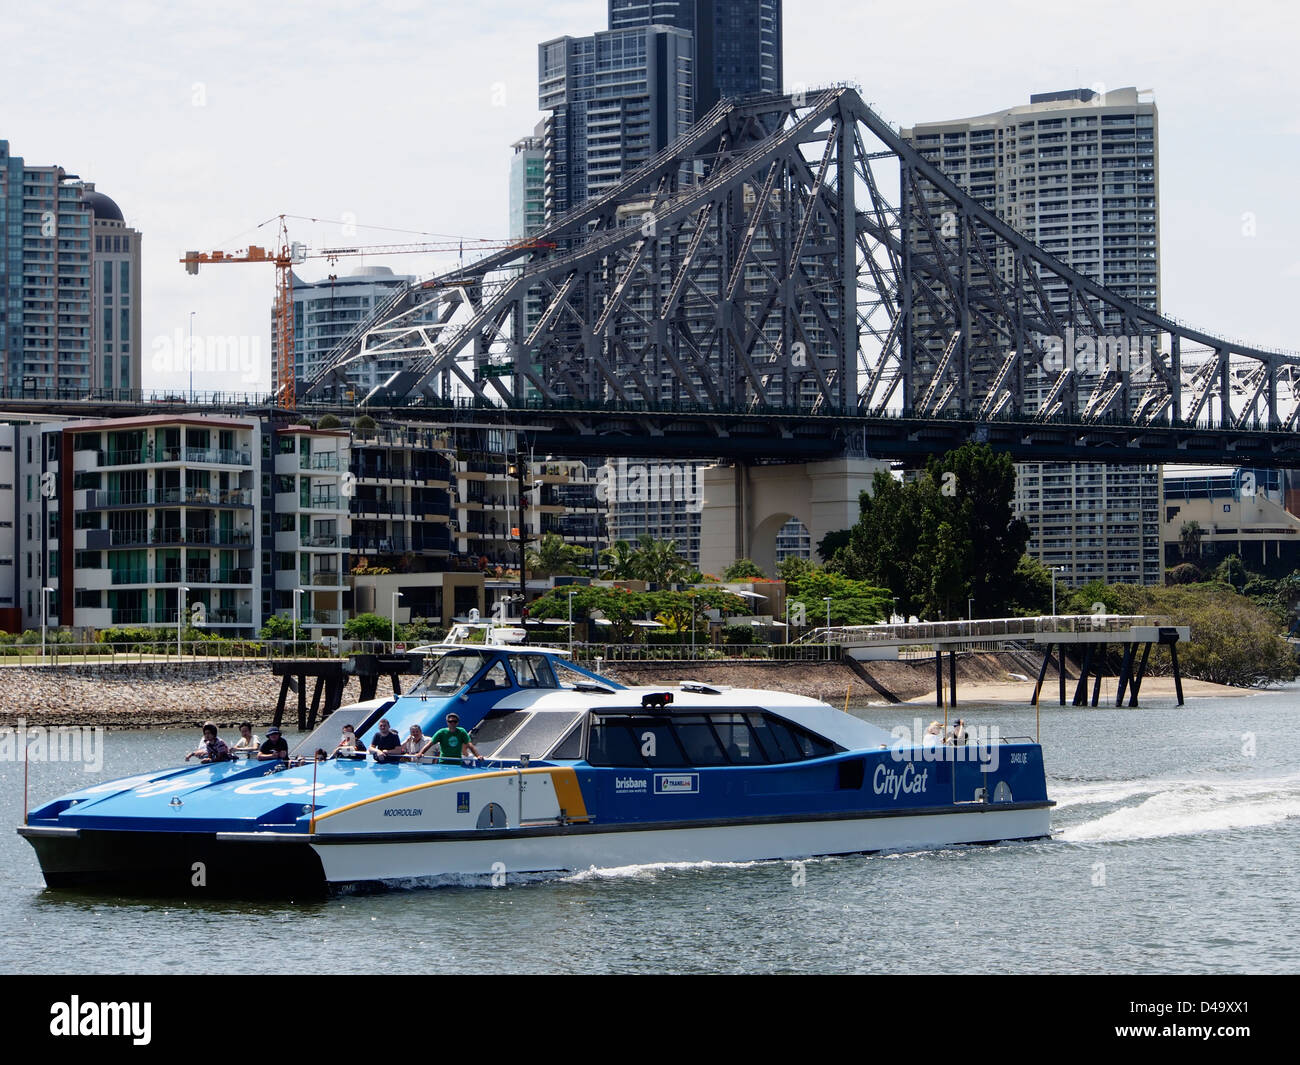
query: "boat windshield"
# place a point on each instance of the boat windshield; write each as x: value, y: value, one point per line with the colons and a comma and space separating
x: 453, y: 671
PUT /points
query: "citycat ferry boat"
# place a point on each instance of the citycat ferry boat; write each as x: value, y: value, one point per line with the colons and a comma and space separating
x: 576, y: 771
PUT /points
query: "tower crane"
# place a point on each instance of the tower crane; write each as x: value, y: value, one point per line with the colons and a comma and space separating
x: 288, y: 254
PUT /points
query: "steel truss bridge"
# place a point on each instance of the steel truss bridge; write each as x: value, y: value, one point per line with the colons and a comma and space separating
x: 794, y: 280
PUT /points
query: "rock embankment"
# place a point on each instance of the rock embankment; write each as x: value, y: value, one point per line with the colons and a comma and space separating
x: 139, y: 695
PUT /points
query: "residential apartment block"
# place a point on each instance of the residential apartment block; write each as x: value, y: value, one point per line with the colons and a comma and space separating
x: 1077, y: 173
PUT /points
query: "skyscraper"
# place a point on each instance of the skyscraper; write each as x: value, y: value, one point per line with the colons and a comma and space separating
x: 45, y: 329
x: 115, y: 303
x: 614, y: 99
x: 737, y: 42
x: 1076, y: 172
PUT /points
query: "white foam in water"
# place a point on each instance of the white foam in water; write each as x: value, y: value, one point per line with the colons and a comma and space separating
x: 1189, y: 808
x: 1066, y: 795
x: 648, y: 870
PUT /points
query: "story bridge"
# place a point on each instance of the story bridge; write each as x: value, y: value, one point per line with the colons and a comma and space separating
x: 793, y: 280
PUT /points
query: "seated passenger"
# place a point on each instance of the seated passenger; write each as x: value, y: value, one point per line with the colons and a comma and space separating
x: 933, y: 735
x: 417, y: 744
x: 322, y: 754
x: 452, y: 742
x: 248, y: 742
x: 958, y: 735
x: 387, y: 744
x: 350, y: 745
x: 212, y: 749
x: 275, y: 747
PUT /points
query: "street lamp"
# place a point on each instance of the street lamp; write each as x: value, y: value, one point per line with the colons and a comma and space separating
x: 571, y: 591
x: 180, y: 616
x: 392, y: 632
x: 827, y: 600
x: 296, y: 613
x: 1054, y: 571
x: 895, y: 613
x: 45, y: 617
x: 970, y: 608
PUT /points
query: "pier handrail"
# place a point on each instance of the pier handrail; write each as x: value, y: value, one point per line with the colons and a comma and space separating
x: 980, y: 628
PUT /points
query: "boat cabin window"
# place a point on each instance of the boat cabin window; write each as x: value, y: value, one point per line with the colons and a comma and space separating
x: 494, y: 679
x: 452, y: 671
x: 721, y: 738
x: 538, y: 736
x: 533, y: 671
x: 507, y: 736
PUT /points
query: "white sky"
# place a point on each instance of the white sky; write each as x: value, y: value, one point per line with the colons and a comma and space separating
x: 203, y: 120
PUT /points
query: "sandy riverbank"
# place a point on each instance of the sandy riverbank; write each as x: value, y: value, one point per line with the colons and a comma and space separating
x: 126, y: 697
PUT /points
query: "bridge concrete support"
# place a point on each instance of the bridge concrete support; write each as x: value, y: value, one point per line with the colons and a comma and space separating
x: 745, y: 506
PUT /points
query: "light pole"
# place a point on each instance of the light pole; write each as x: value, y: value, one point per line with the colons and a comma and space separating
x: 571, y: 591
x: 392, y: 632
x: 895, y: 613
x: 1054, y: 569
x: 45, y: 617
x: 827, y: 600
x: 189, y: 355
x: 181, y: 592
x: 970, y: 608
x: 296, y: 615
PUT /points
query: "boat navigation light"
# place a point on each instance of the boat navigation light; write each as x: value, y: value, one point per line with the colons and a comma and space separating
x: 656, y: 700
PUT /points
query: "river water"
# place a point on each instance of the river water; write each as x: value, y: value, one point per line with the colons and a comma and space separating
x: 1175, y: 850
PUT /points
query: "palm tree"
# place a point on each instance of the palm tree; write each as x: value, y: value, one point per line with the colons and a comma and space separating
x: 1189, y: 537
x: 621, y: 560
x: 659, y: 561
x: 553, y: 556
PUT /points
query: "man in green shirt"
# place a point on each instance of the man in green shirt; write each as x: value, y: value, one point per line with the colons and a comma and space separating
x: 452, y: 742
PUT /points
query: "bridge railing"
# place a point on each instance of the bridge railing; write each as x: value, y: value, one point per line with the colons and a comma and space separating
x: 979, y: 629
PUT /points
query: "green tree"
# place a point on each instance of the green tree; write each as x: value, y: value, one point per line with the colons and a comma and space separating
x: 620, y: 558
x: 852, y: 602
x: 742, y: 569
x: 659, y: 561
x: 947, y: 535
x: 1032, y: 593
x: 793, y: 566
x: 553, y: 557
x: 279, y: 627
x: 369, y: 627
x: 1189, y: 539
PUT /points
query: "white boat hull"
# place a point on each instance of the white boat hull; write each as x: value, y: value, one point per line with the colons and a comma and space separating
x: 374, y: 860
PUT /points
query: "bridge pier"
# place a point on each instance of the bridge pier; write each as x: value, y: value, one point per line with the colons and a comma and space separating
x: 745, y: 506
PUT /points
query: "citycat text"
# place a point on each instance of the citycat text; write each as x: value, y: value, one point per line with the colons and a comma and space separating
x: 894, y: 782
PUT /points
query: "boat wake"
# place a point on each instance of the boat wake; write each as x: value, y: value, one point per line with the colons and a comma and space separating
x: 650, y: 870
x: 1179, y: 807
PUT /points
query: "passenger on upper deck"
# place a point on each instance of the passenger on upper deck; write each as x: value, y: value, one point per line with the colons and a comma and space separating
x: 350, y: 745
x: 958, y: 736
x: 452, y: 742
x: 274, y: 747
x: 933, y: 735
x: 247, y: 742
x: 212, y: 749
x: 387, y: 744
x: 417, y: 744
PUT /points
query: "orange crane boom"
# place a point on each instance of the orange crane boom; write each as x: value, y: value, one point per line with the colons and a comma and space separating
x: 290, y: 254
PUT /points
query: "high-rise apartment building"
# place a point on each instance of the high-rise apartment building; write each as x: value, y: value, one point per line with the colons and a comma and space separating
x: 325, y: 312
x: 1076, y: 172
x: 115, y: 300
x: 737, y: 42
x: 613, y: 99
x: 528, y: 185
x: 69, y: 283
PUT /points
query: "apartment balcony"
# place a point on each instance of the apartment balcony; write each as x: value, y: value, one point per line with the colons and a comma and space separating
x: 327, y: 541
x: 327, y: 578
x: 188, y: 455
x: 97, y: 499
x: 324, y: 617
x: 324, y: 501
x: 326, y: 460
